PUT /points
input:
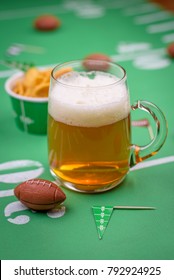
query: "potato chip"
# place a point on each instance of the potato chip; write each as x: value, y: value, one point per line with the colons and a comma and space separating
x: 42, y: 90
x: 35, y: 83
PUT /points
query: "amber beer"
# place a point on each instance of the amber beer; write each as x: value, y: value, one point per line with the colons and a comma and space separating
x: 89, y: 134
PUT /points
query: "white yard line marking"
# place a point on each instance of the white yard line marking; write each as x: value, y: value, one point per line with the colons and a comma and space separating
x: 133, y: 55
x: 153, y: 162
x: 162, y: 27
x: 29, y: 12
x: 19, y: 164
x: 153, y: 17
x: 141, y: 9
x: 23, y: 114
x: 18, y: 177
x: 168, y: 38
x: 121, y: 3
x: 5, y: 193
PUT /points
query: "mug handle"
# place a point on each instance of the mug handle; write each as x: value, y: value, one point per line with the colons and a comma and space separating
x: 140, y: 153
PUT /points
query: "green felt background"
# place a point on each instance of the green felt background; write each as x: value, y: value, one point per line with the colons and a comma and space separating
x: 130, y: 234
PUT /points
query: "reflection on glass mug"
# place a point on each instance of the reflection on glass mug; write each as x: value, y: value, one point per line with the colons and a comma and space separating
x: 89, y: 132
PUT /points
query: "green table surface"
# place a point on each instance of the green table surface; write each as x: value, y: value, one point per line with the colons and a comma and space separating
x: 135, y: 34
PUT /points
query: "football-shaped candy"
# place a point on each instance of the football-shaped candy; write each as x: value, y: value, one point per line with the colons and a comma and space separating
x: 170, y: 50
x: 47, y: 23
x: 39, y: 194
x: 97, y: 61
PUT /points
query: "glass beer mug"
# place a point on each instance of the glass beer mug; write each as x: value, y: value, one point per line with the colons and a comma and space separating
x: 89, y: 127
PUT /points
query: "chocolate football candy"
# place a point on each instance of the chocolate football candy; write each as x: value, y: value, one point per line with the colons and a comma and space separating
x: 47, y: 23
x: 170, y: 50
x: 97, y: 61
x: 39, y: 194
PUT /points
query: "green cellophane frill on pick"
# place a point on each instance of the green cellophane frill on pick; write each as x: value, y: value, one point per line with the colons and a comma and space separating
x: 102, y: 215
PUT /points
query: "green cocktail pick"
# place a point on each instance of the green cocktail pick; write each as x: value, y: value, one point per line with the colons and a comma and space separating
x: 134, y: 207
x: 102, y: 215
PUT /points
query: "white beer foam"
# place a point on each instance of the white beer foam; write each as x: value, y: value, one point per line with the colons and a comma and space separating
x: 88, y: 101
